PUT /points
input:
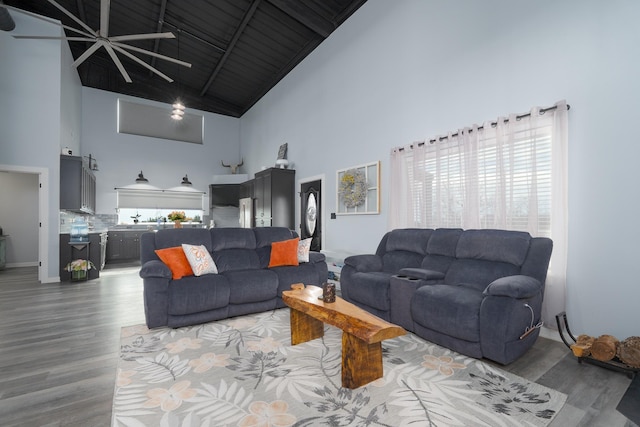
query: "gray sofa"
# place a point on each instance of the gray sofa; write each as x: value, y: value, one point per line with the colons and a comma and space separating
x: 473, y: 291
x: 244, y: 284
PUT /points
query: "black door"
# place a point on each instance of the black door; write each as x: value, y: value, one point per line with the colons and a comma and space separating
x: 310, y: 210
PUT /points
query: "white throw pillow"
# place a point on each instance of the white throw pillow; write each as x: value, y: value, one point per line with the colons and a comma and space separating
x: 303, y: 250
x: 199, y: 259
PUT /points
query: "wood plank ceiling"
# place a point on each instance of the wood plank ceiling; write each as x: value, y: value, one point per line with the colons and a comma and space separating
x: 239, y: 49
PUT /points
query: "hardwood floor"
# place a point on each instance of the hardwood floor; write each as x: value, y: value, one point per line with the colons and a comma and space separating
x: 59, y: 346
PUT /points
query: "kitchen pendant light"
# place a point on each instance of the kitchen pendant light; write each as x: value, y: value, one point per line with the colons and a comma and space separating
x: 141, y: 179
x: 185, y: 181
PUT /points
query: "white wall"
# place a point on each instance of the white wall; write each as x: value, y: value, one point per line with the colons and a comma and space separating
x: 19, y: 217
x: 397, y: 72
x: 164, y: 162
x: 31, y: 81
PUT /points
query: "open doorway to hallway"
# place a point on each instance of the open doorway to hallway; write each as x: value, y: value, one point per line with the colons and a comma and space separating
x: 23, y: 217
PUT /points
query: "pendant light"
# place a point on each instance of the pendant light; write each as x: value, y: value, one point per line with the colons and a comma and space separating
x: 178, y: 106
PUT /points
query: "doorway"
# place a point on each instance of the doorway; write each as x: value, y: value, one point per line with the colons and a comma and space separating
x: 311, y: 218
x: 43, y: 216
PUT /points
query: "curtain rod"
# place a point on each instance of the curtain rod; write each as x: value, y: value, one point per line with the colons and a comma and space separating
x: 493, y: 124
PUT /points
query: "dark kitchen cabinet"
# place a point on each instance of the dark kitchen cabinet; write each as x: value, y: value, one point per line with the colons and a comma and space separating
x: 123, y: 246
x: 273, y: 194
x: 77, y: 185
x: 224, y: 195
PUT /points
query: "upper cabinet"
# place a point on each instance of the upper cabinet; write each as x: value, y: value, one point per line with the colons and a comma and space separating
x: 77, y: 185
x: 273, y: 195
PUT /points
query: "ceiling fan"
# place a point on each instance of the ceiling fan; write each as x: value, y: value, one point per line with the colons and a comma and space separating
x: 101, y: 38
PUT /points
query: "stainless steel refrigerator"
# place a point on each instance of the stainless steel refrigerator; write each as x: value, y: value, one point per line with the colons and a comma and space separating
x: 246, y: 212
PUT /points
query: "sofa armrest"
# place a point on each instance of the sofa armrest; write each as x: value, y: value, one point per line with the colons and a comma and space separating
x: 518, y: 286
x: 155, y: 268
x: 316, y: 257
x: 421, y: 273
x: 363, y: 263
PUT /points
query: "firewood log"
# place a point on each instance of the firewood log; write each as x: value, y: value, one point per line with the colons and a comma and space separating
x: 604, y: 348
x: 629, y: 351
x: 582, y: 347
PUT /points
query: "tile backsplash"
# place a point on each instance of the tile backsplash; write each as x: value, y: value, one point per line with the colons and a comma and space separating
x: 97, y: 223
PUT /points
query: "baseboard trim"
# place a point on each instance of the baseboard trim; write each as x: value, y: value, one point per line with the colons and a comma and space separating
x: 22, y: 264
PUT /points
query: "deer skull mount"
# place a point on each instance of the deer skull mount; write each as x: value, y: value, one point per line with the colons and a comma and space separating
x: 234, y: 168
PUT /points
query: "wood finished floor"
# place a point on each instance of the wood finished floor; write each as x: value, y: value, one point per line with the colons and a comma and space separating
x: 59, y: 345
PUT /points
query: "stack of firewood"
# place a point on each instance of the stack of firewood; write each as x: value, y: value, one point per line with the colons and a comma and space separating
x: 606, y: 347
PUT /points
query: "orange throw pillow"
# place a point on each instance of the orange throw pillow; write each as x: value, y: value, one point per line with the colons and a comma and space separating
x: 284, y: 253
x: 176, y: 260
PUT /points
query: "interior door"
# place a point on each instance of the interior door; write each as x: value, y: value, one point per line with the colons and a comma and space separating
x: 310, y: 213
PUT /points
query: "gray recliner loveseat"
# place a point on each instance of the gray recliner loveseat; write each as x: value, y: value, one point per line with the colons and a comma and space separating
x: 478, y: 292
x: 244, y: 283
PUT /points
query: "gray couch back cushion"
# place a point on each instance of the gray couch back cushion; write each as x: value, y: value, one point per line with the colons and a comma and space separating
x: 173, y: 237
x: 478, y: 273
x: 494, y: 245
x: 404, y: 248
x: 232, y: 238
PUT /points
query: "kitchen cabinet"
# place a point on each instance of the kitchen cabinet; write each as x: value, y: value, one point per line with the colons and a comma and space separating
x: 77, y: 185
x: 123, y: 246
x: 224, y: 195
x: 273, y: 194
x: 246, y: 189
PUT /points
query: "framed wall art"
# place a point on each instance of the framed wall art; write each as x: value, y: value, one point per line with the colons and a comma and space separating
x: 358, y: 189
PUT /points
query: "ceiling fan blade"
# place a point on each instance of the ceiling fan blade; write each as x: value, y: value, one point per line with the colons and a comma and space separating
x: 71, y: 39
x: 116, y: 60
x: 105, y: 6
x: 72, y: 16
x: 87, y: 53
x: 50, y: 20
x: 147, y: 36
x: 144, y: 64
x: 148, y: 52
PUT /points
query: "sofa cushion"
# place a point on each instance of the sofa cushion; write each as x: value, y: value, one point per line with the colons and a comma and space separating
x: 371, y: 289
x: 236, y: 259
x: 450, y: 310
x: 251, y: 286
x: 199, y: 259
x: 394, y: 261
x: 231, y: 238
x: 197, y: 294
x: 176, y: 260
x: 265, y: 236
x: 284, y: 253
x: 477, y: 274
x: 409, y: 240
x: 494, y: 245
x: 443, y: 241
x: 172, y: 237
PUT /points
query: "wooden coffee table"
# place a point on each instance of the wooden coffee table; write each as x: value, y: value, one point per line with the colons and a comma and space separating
x: 362, y: 332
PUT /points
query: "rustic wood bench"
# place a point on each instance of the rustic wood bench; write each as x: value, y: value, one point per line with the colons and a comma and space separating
x: 362, y: 334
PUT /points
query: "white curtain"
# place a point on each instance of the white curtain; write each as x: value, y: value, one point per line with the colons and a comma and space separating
x: 509, y: 174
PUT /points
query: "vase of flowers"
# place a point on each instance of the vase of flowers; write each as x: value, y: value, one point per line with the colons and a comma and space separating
x: 177, y: 217
x: 79, y: 268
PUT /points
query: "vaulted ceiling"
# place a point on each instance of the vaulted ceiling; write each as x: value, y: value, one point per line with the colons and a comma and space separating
x: 239, y: 49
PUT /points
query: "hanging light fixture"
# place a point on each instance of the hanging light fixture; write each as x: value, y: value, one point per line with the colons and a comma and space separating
x: 185, y: 181
x: 178, y: 110
x: 141, y: 179
x: 178, y: 107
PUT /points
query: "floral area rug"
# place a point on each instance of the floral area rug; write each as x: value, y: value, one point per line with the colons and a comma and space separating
x: 245, y: 372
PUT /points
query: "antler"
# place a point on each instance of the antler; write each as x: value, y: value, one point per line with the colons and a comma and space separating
x: 226, y: 166
x: 241, y: 162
